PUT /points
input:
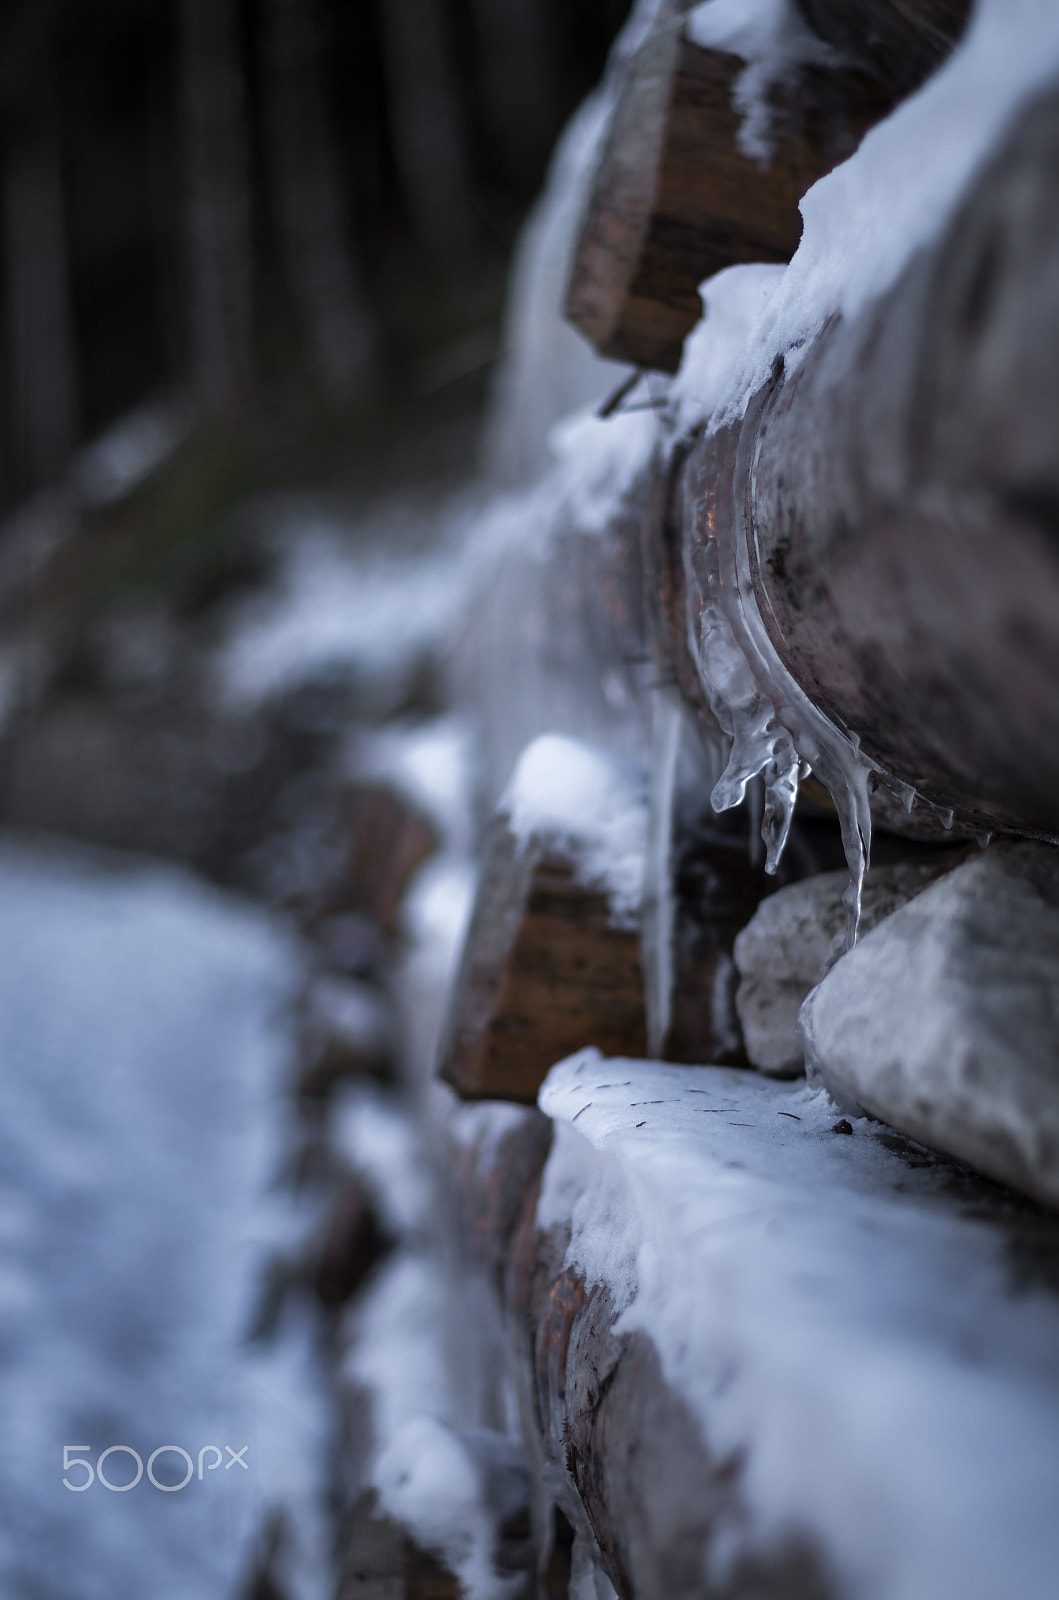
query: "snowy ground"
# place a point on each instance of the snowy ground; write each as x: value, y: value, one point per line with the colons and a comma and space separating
x: 143, y: 1059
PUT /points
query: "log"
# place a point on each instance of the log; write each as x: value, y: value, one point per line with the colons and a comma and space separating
x: 716, y: 890
x: 675, y: 199
x: 898, y: 497
x: 381, y: 1562
x: 387, y: 839
x: 544, y: 972
x: 628, y: 1464
x: 353, y: 1242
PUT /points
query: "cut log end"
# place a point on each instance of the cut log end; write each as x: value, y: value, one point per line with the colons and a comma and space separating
x: 545, y: 972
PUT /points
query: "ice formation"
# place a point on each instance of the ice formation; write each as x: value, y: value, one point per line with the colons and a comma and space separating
x: 863, y: 223
x: 774, y: 728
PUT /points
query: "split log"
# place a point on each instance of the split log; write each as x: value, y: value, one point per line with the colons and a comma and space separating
x: 898, y: 497
x: 675, y: 198
x: 545, y: 971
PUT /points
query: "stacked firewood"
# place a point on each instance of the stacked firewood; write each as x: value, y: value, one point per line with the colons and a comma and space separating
x: 894, y: 488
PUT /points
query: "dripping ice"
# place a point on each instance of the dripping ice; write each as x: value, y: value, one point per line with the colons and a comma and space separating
x: 774, y: 730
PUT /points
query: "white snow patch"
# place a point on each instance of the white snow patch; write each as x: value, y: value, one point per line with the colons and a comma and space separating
x: 825, y: 1315
x: 131, y: 451
x: 142, y: 1116
x: 733, y: 304
x: 592, y: 803
x: 772, y: 39
x: 423, y: 1468
x: 867, y: 218
x: 430, y: 763
x: 599, y: 461
x: 382, y: 1145
x: 368, y: 604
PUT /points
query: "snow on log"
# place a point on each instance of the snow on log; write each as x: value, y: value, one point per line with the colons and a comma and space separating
x: 552, y: 955
x: 697, y: 175
x: 741, y: 1325
x: 894, y: 488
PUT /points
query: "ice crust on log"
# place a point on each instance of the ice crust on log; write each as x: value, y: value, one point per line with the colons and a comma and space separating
x: 944, y: 1020
x: 864, y: 223
x: 795, y: 937
x: 840, y: 1331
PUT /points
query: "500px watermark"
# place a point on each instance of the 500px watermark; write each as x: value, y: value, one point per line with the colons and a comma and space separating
x: 96, y: 1474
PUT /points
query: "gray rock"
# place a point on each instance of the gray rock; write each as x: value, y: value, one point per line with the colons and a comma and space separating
x: 795, y: 936
x: 944, y: 1021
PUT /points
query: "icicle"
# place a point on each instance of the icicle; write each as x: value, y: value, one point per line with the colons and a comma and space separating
x: 904, y: 792
x: 944, y: 816
x: 775, y: 729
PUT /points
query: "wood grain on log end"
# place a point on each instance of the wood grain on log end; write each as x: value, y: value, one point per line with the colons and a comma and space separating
x: 545, y: 972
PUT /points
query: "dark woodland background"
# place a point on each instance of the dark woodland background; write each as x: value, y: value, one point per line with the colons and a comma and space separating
x: 295, y: 215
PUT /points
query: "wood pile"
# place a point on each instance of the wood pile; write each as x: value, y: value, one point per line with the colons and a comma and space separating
x: 896, y: 491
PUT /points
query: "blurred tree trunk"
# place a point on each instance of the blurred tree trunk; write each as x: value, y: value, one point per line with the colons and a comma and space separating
x: 216, y: 163
x: 427, y: 126
x: 519, y: 82
x: 41, y: 337
x: 317, y: 253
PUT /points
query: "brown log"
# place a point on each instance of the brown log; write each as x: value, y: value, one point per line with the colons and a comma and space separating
x: 626, y: 1459
x: 623, y: 1455
x: 353, y: 1242
x: 675, y: 199
x: 898, y: 496
x: 387, y: 840
x: 545, y: 972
